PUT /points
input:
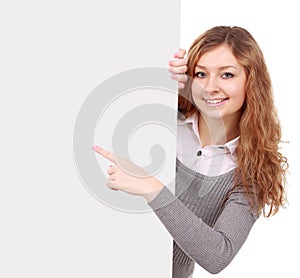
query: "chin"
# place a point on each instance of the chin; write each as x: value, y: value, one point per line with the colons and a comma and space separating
x: 214, y: 114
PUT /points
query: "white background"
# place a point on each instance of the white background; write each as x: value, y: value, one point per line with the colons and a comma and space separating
x: 269, y: 250
x: 52, y: 54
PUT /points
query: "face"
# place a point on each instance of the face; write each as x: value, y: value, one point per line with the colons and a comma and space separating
x: 218, y: 87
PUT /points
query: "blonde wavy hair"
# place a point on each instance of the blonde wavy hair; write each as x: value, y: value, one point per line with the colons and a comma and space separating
x: 261, y: 168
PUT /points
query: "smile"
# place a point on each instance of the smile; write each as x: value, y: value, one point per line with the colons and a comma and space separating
x: 215, y: 101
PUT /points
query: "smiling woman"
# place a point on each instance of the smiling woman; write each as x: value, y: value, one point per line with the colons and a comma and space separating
x: 223, y: 104
x: 246, y: 89
x: 229, y: 167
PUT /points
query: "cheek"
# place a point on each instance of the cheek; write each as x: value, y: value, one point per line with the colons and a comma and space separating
x: 242, y: 96
x: 197, y: 92
x: 238, y: 95
x: 196, y: 88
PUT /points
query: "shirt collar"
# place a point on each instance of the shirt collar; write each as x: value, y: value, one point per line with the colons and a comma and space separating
x: 230, y: 146
x: 181, y: 120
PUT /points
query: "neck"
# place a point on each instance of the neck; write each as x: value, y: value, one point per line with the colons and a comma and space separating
x: 217, y: 131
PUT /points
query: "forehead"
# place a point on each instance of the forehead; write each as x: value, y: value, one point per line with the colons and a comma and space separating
x: 218, y: 57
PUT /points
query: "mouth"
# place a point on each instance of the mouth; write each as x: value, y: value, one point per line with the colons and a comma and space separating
x: 215, y: 101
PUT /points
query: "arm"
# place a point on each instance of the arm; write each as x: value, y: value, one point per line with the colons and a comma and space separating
x: 212, y: 248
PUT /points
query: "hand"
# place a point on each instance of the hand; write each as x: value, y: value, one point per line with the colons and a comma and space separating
x: 178, y: 68
x: 126, y: 176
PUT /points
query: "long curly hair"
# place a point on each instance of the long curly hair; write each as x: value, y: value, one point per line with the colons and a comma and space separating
x: 261, y: 168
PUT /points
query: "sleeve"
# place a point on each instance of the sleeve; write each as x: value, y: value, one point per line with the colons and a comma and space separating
x: 213, y: 248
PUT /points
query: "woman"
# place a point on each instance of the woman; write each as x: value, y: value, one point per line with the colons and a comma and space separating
x: 229, y: 168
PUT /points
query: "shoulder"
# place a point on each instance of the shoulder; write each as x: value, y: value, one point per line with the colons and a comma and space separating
x: 239, y: 196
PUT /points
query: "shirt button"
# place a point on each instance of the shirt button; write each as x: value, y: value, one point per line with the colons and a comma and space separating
x: 199, y: 153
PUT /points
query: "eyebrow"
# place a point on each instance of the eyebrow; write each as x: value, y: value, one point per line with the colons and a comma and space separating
x: 221, y: 68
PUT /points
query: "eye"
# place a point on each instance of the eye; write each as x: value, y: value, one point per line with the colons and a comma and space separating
x: 227, y: 75
x: 200, y: 74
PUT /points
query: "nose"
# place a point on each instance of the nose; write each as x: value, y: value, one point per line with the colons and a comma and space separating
x: 212, y: 86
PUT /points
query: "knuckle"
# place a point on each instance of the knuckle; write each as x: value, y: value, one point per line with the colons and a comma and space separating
x: 173, y: 76
x: 171, y: 69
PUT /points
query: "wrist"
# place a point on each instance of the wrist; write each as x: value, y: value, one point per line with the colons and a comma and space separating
x: 153, y: 192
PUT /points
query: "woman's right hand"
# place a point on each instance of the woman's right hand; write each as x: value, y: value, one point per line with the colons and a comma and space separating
x: 178, y: 68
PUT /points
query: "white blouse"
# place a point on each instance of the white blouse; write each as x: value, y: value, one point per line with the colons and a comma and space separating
x: 212, y: 160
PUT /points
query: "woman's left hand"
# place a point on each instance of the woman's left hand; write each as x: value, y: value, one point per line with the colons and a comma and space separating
x: 126, y: 176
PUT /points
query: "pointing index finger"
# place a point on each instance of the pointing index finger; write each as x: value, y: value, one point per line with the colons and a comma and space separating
x: 106, y: 154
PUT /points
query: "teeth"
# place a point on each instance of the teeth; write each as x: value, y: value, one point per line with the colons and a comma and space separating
x: 214, y: 101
